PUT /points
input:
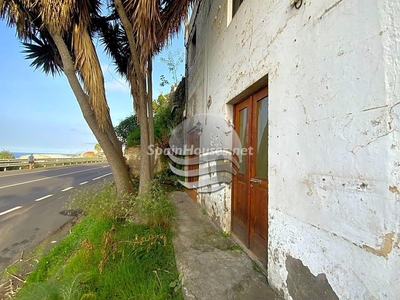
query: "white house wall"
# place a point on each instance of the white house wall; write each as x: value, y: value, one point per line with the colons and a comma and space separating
x: 334, y: 105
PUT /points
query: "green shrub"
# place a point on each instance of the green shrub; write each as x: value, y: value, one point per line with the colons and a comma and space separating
x: 156, y: 207
x: 167, y: 177
x: 133, y: 137
x: 5, y: 154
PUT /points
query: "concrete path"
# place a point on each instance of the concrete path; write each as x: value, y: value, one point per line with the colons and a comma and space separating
x: 213, y: 266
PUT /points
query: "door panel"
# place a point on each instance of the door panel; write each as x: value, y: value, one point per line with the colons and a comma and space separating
x: 259, y: 177
x: 240, y: 208
x: 250, y: 186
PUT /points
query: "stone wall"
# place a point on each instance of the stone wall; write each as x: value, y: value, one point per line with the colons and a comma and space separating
x: 132, y: 155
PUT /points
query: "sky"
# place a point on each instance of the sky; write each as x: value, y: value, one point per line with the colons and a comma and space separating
x: 39, y: 113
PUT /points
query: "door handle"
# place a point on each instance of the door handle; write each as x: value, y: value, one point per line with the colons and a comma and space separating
x: 255, y: 180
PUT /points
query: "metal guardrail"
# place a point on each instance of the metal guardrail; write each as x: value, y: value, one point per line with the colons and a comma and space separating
x: 19, y: 163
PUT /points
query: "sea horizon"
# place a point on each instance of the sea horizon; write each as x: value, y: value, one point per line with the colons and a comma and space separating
x: 19, y: 154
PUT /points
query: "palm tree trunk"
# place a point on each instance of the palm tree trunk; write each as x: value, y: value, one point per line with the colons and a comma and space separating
x: 121, y: 175
x: 150, y: 110
x: 140, y: 93
x: 145, y: 158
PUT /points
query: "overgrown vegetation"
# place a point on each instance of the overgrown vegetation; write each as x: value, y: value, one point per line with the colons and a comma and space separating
x: 125, y: 127
x: 120, y: 250
x: 5, y: 154
x: 168, y: 179
x: 168, y: 113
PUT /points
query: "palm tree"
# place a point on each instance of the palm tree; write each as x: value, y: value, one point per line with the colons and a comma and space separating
x: 142, y: 29
x: 63, y: 30
x: 57, y: 35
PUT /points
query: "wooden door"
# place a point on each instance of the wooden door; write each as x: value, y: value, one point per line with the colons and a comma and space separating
x: 194, y: 141
x: 258, y: 202
x: 250, y: 185
x: 240, y: 207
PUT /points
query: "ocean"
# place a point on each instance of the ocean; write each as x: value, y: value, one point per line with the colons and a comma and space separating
x: 19, y: 154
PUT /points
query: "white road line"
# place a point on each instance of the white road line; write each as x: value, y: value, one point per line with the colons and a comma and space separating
x: 102, y: 176
x: 82, y: 183
x: 10, y: 210
x: 67, y: 189
x: 45, y: 197
x: 43, y: 170
x: 47, y: 178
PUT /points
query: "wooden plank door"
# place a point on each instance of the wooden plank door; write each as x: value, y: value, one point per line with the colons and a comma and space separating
x: 250, y: 185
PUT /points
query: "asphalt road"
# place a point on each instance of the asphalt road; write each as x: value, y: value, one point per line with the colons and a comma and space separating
x: 32, y: 204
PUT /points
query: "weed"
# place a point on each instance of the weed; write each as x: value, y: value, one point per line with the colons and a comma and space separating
x: 177, y: 284
x: 101, y: 205
x: 107, y: 257
x: 256, y: 267
x: 224, y: 234
x: 235, y: 247
x: 71, y: 289
x: 167, y: 177
x: 156, y: 207
x: 153, y: 207
x: 204, y: 212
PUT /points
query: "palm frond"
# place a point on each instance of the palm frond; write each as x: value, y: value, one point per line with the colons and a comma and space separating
x: 62, y: 15
x: 16, y: 14
x: 155, y: 22
x: 36, y: 19
x: 115, y: 43
x: 43, y: 57
x: 88, y: 66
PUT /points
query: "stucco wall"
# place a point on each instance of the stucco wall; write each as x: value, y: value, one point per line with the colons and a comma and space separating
x: 334, y: 149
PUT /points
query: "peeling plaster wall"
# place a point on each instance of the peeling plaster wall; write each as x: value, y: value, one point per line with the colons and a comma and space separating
x: 334, y: 119
x: 201, y: 99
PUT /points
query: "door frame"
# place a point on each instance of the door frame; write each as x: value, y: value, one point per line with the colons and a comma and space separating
x: 245, y: 238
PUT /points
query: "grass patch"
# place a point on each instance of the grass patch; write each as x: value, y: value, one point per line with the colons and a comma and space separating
x: 106, y: 256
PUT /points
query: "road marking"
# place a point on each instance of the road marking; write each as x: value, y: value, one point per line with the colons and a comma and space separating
x: 10, y: 210
x: 40, y: 199
x: 67, y: 189
x: 47, y: 178
x: 102, y: 176
x: 82, y: 183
